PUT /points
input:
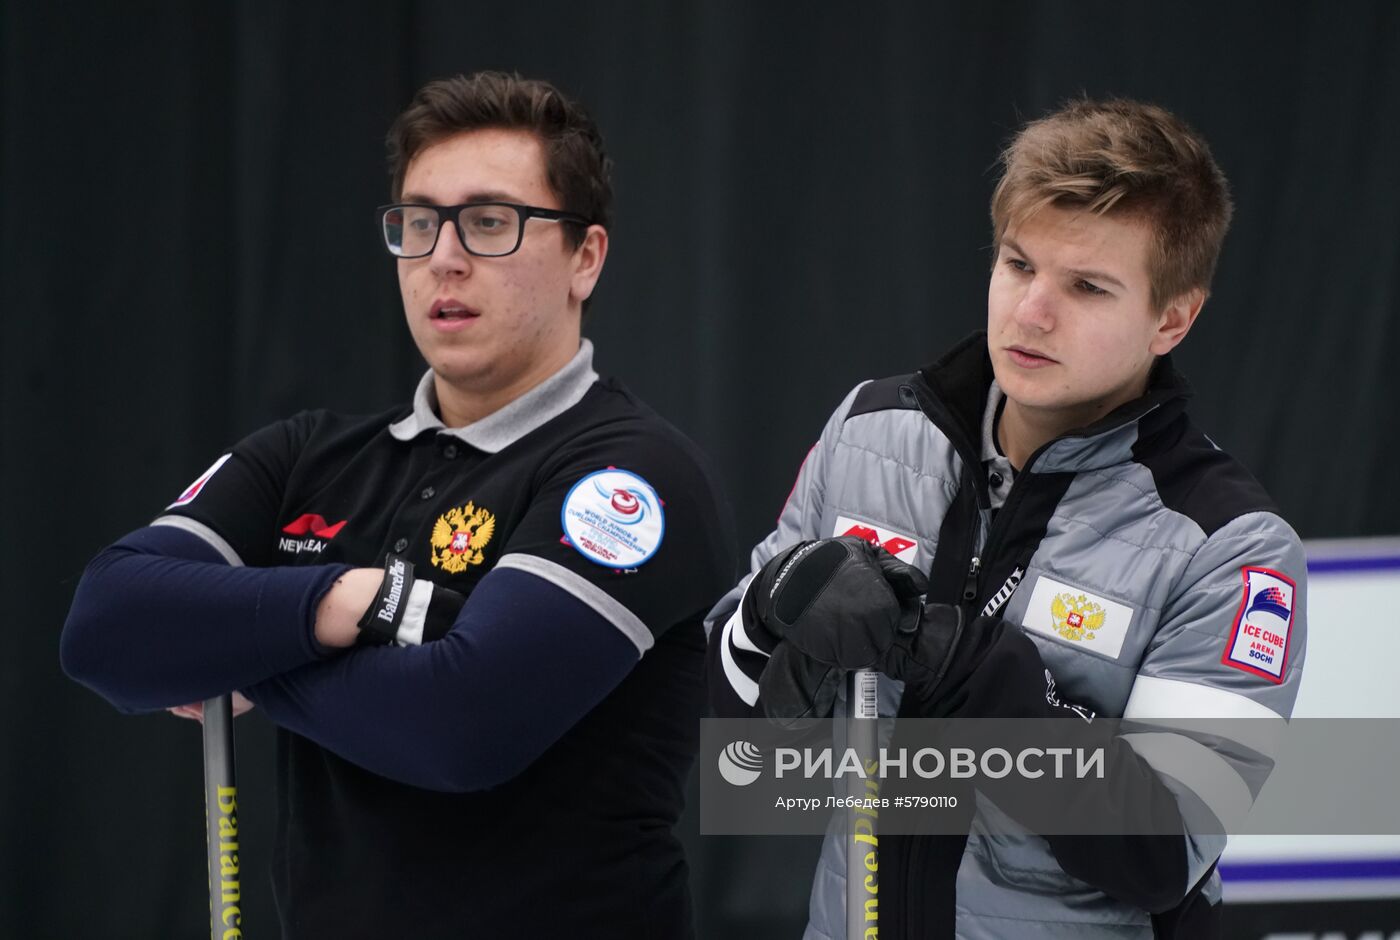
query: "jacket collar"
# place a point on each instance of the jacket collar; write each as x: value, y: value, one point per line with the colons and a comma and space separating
x: 960, y: 380
x: 506, y: 425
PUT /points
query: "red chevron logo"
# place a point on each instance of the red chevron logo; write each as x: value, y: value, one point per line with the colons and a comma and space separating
x: 314, y: 524
x: 893, y: 545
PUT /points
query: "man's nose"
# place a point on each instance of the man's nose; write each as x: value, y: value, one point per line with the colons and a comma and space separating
x: 449, y: 257
x: 1036, y: 309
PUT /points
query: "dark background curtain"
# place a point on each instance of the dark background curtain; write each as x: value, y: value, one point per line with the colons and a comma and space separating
x: 187, y: 252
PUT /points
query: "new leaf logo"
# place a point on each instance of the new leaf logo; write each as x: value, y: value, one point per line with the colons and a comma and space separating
x: 315, y: 532
x: 314, y: 524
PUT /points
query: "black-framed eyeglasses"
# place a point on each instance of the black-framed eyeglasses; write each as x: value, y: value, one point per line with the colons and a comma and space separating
x: 486, y: 229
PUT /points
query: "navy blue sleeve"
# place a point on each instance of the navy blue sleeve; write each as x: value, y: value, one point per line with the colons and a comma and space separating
x: 161, y: 619
x: 523, y: 663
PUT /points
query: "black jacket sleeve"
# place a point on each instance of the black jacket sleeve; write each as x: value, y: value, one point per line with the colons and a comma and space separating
x: 997, y: 672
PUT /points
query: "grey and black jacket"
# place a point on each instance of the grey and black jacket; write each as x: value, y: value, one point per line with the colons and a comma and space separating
x: 1144, y: 523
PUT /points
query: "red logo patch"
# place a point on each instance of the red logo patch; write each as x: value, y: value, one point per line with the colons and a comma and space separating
x: 1258, y: 640
x: 315, y: 525
x: 893, y: 545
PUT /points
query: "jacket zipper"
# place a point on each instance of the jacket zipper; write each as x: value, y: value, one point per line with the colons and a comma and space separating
x: 970, y: 584
x: 999, y: 526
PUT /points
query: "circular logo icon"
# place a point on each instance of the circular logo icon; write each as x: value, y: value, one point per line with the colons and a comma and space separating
x: 626, y: 503
x: 614, y: 517
x: 740, y: 763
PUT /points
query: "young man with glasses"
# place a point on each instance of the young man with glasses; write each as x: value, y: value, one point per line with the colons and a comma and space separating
x: 1032, y: 527
x: 476, y: 620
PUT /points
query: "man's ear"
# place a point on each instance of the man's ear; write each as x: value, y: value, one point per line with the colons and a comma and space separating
x: 1176, y: 320
x: 588, y: 262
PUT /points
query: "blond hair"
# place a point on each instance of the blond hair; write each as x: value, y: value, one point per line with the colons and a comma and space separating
x: 1128, y: 159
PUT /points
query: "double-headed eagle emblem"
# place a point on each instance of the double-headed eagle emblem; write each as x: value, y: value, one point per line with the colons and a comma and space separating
x: 1075, y: 617
x: 459, y: 535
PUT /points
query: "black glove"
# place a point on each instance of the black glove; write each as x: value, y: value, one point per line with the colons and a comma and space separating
x: 836, y: 605
x: 408, y: 611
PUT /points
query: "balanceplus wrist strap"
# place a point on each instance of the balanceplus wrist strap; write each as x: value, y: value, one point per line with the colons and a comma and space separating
x: 408, y: 611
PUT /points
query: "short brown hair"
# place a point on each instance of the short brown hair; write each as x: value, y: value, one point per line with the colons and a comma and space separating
x: 1127, y: 158
x: 576, y: 164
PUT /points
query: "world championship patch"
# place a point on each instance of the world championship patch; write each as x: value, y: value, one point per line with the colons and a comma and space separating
x: 1259, y: 638
x: 614, y: 517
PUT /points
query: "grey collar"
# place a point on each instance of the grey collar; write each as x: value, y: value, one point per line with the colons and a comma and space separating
x: 506, y: 425
x: 995, y: 465
x: 989, y: 423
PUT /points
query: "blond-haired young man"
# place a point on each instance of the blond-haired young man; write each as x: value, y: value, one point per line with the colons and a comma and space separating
x: 960, y: 530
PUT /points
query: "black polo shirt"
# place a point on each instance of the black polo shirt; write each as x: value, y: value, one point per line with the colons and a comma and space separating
x: 580, y: 485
